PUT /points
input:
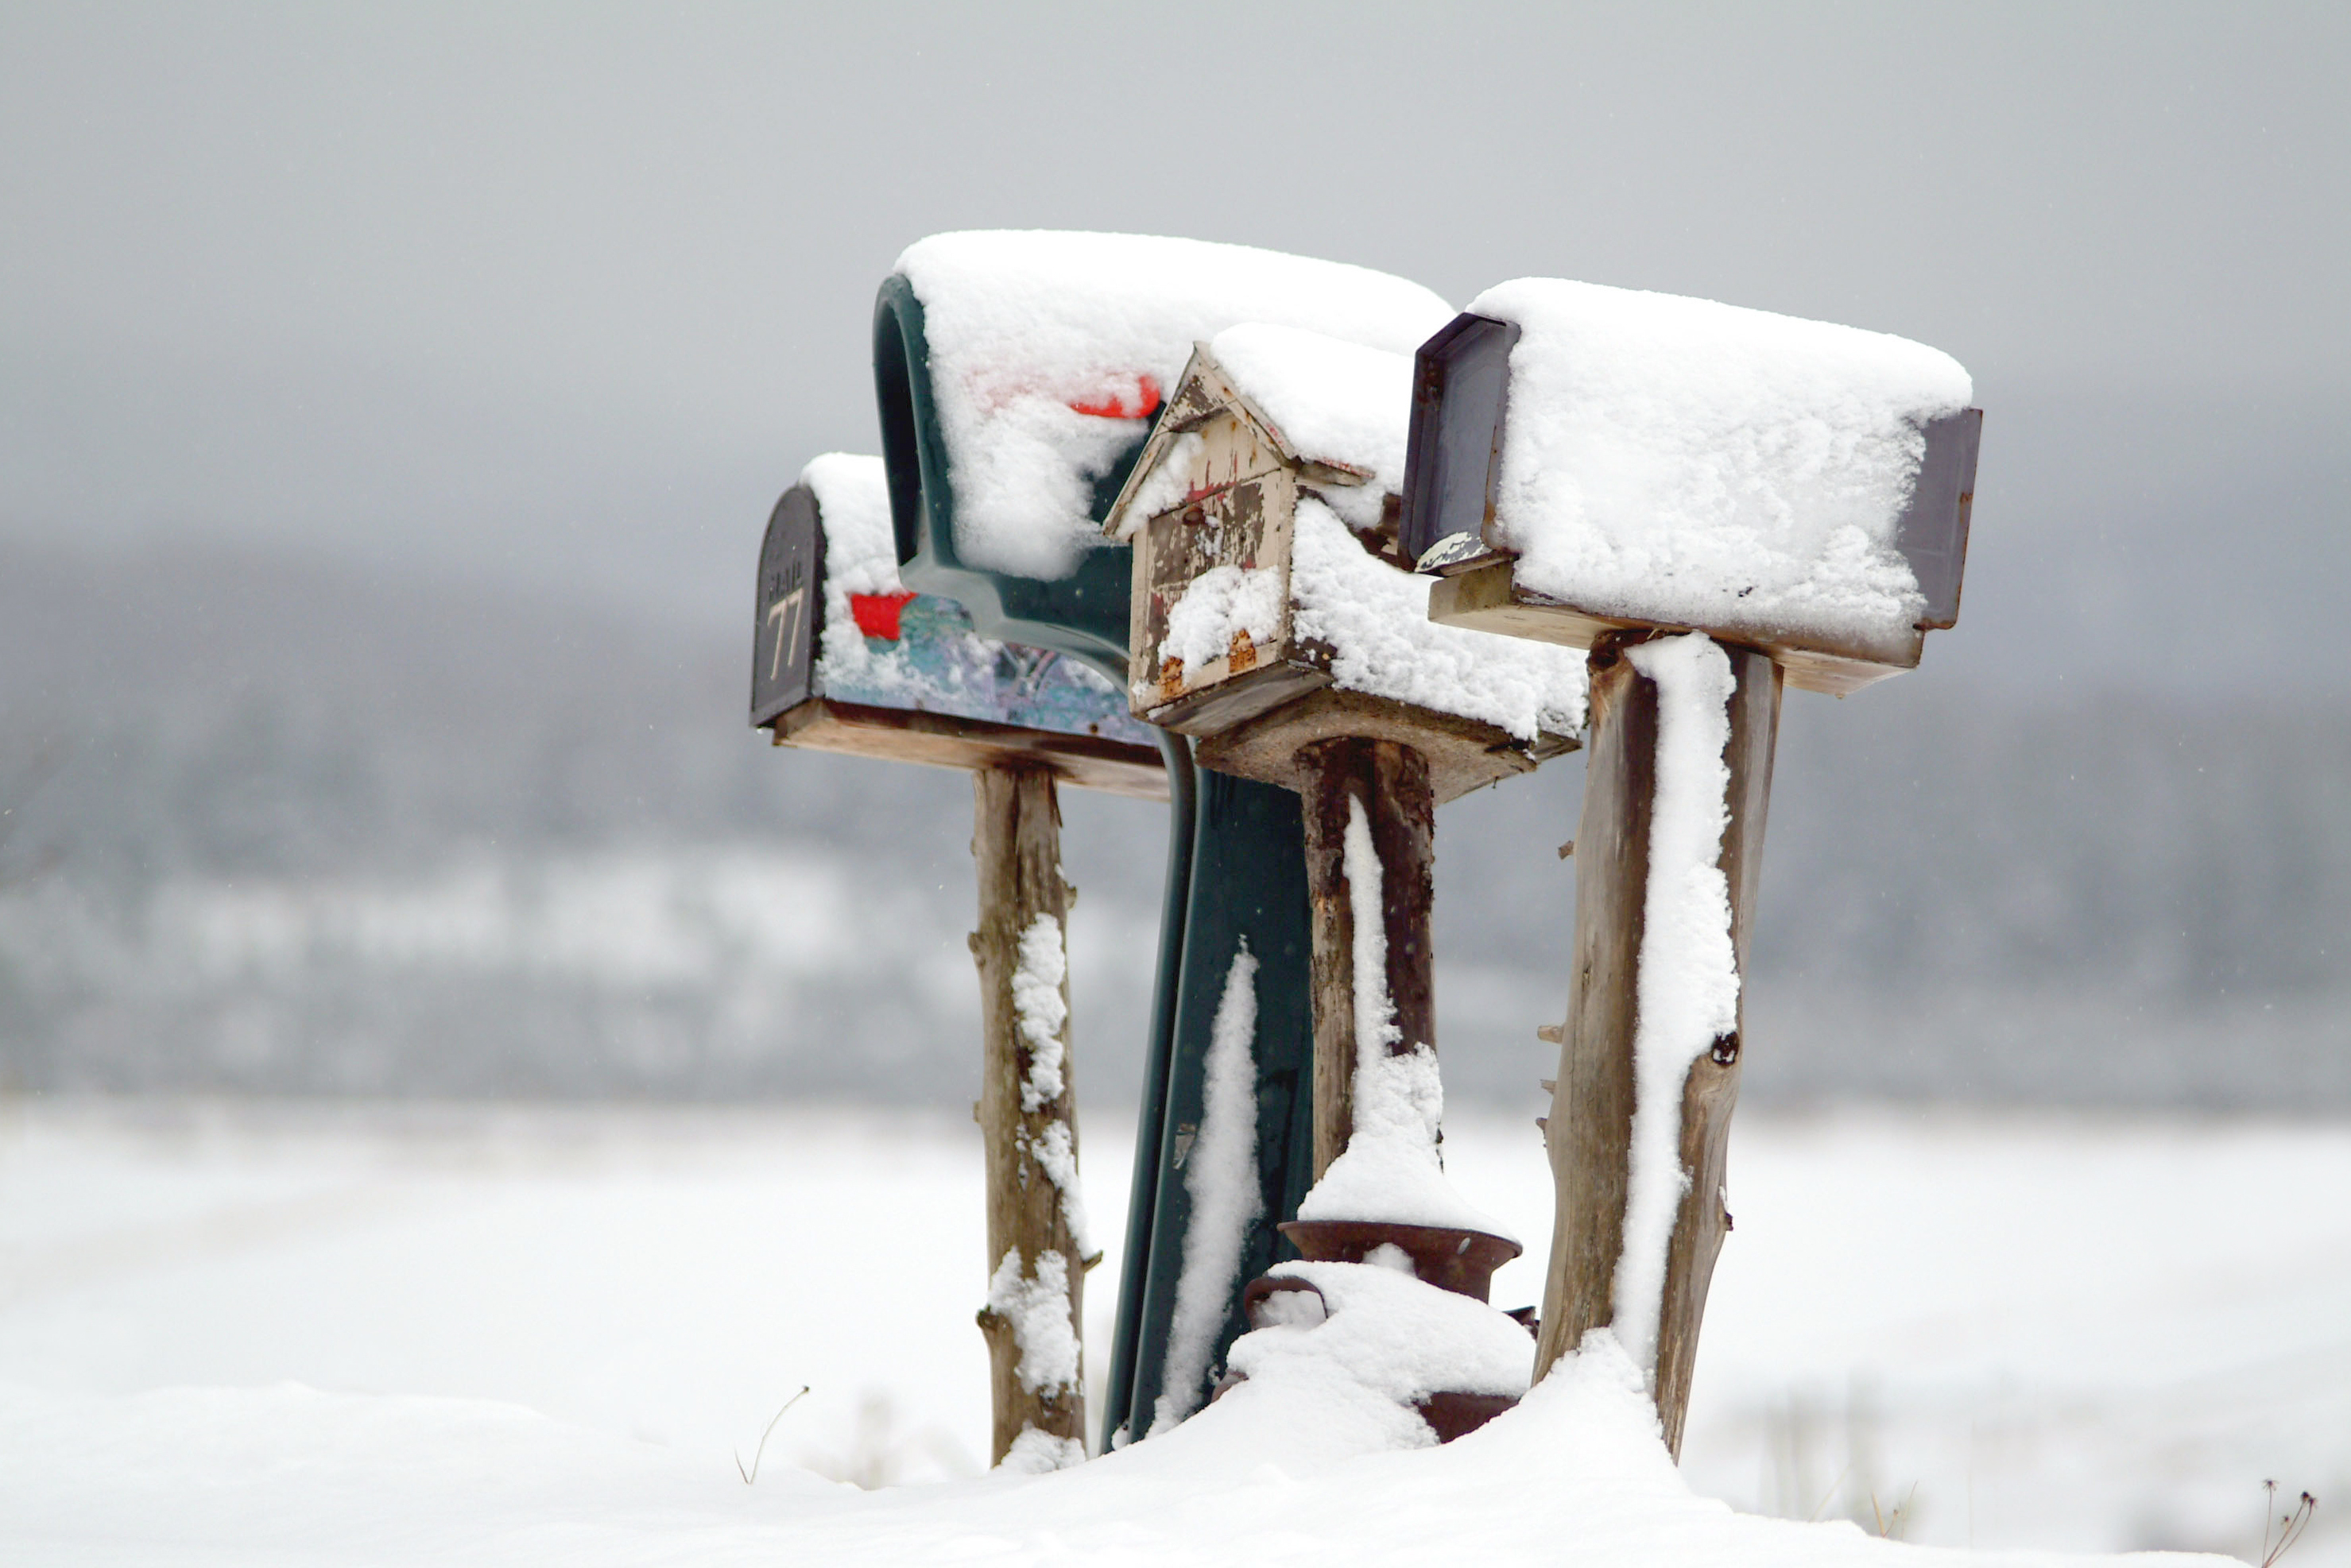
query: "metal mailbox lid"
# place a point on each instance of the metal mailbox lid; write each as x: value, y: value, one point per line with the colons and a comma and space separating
x: 788, y: 608
x: 1453, y: 457
x: 1932, y: 534
x: 1085, y: 614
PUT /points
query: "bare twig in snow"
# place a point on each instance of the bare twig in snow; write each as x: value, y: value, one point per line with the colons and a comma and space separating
x: 753, y: 1473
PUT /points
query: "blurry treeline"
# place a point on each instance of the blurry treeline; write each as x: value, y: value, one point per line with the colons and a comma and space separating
x: 281, y: 826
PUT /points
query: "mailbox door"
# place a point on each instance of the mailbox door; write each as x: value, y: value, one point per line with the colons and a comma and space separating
x: 1453, y: 458
x: 789, y: 604
x: 1933, y: 532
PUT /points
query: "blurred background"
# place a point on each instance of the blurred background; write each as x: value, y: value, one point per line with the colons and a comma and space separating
x: 390, y: 404
x: 391, y: 401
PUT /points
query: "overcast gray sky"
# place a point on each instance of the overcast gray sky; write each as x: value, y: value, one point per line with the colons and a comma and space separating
x: 571, y: 292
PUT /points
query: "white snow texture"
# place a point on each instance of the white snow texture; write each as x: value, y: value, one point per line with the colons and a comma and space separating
x: 1688, y: 463
x: 860, y: 556
x: 2107, y: 1289
x: 1028, y: 330
x: 1332, y: 402
x: 1390, y: 1168
x: 1041, y: 1010
x: 1388, y: 1337
x: 1038, y: 1307
x: 1375, y: 619
x: 1687, y: 985
x: 1220, y: 1178
x: 1219, y: 602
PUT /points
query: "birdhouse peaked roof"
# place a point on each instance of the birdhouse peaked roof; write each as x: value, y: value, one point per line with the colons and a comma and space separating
x: 1336, y: 412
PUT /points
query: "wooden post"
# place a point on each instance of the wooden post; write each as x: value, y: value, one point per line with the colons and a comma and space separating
x: 1028, y: 1117
x: 1392, y: 781
x: 1589, y: 1131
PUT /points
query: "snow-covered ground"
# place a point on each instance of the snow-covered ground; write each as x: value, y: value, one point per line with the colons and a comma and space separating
x: 303, y: 1334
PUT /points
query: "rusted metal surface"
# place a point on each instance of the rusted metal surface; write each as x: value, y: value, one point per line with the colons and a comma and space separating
x: 1462, y: 1261
x: 1272, y: 1298
x: 1451, y: 1413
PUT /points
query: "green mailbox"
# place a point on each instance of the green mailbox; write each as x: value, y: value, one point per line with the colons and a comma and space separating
x: 1018, y: 374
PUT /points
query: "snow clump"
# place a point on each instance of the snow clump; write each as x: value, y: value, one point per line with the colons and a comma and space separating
x: 1390, y: 1169
x: 1220, y: 1178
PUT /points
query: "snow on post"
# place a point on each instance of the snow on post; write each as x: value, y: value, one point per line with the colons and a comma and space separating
x: 1587, y: 457
x: 1271, y: 616
x: 1669, y: 856
x: 1389, y: 1168
x: 848, y: 659
x: 1220, y: 1177
x: 1037, y: 1233
x: 1689, y: 983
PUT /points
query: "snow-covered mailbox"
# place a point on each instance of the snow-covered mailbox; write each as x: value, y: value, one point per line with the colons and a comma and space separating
x: 1018, y: 374
x: 1710, y: 499
x: 1272, y: 618
x: 1587, y: 459
x: 846, y: 658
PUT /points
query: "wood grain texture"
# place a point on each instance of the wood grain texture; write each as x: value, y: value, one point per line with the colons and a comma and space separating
x: 1017, y: 843
x: 1486, y: 599
x: 947, y: 740
x: 1589, y: 1131
x: 1463, y: 754
x: 1391, y: 780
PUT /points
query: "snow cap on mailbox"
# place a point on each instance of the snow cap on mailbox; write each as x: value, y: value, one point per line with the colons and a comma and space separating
x: 1655, y: 461
x: 1018, y: 372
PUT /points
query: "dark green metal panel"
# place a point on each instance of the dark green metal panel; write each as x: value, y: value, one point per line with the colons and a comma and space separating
x: 1235, y: 867
x: 1248, y: 883
x: 1084, y: 613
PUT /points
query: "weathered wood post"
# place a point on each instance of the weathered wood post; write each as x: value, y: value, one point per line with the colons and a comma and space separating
x: 1036, y: 1240
x: 1380, y: 790
x: 1596, y: 1099
x: 847, y: 660
x: 1715, y: 502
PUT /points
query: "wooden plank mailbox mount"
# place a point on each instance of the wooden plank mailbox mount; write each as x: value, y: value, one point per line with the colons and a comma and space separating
x: 1724, y: 478
x: 845, y: 659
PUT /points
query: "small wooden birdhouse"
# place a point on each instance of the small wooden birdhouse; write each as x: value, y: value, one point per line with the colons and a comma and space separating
x: 1269, y: 607
x: 846, y: 658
